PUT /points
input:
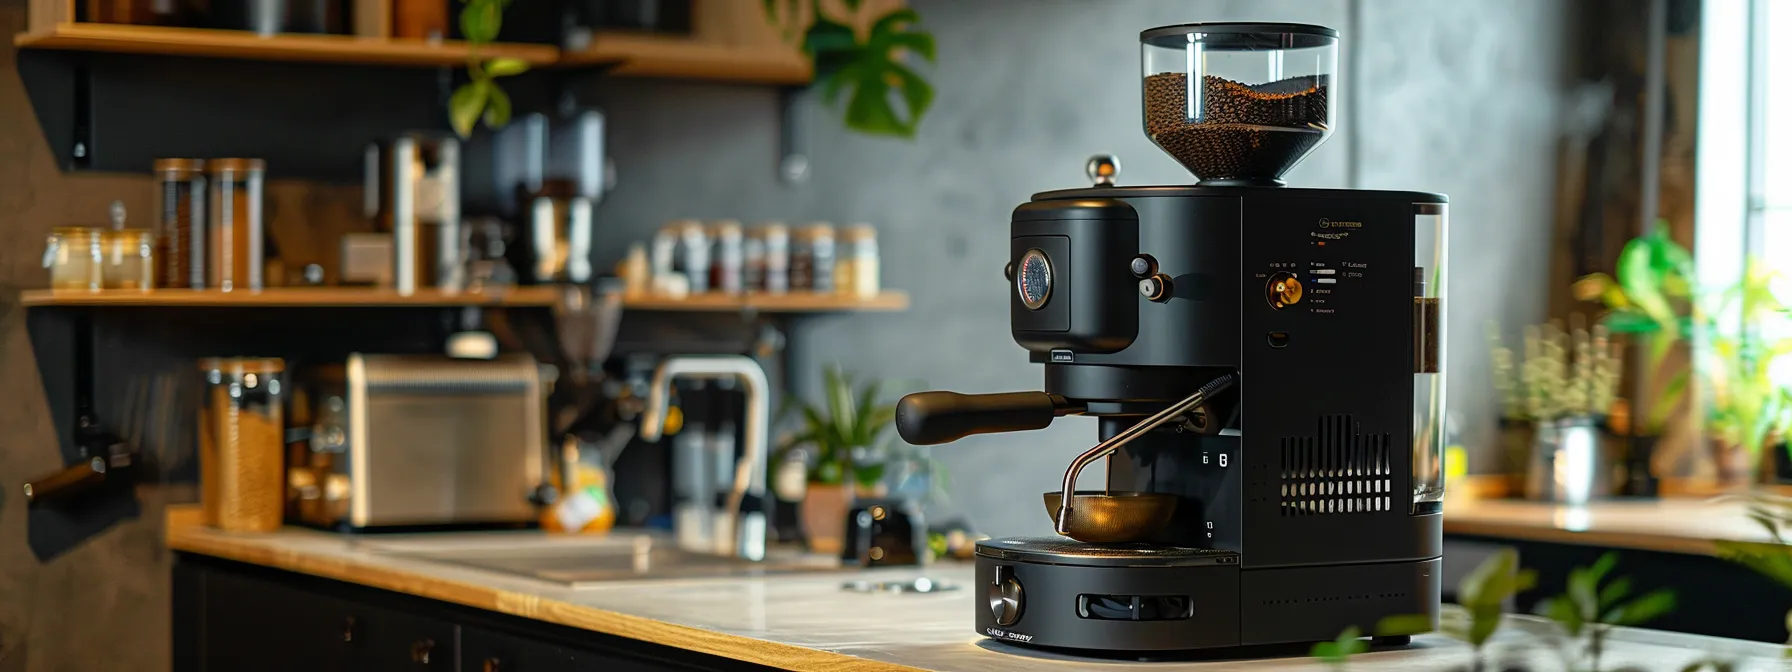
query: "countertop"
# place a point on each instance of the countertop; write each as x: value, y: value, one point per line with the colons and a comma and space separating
x: 792, y: 621
x: 1686, y: 526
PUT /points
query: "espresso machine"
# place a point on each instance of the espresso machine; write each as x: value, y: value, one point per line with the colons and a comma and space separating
x: 1264, y: 361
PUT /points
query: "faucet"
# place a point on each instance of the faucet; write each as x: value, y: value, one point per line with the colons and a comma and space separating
x: 745, y: 535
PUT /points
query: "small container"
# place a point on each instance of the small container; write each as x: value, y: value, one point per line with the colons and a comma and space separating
x: 241, y: 442
x: 128, y: 259
x: 727, y: 262
x: 856, y: 274
x: 693, y: 254
x: 663, y: 259
x: 752, y: 252
x: 74, y: 257
x: 777, y: 257
x: 180, y: 219
x: 812, y: 258
x: 635, y: 271
x: 234, y: 258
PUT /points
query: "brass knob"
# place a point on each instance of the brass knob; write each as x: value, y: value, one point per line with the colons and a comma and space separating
x: 491, y: 665
x: 420, y: 651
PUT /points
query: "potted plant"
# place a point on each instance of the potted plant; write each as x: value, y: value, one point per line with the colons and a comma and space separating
x: 844, y: 443
x: 870, y: 69
x: 1749, y: 411
x: 1562, y: 390
x: 1650, y: 300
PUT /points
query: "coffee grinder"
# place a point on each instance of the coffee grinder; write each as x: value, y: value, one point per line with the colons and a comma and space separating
x: 1265, y: 363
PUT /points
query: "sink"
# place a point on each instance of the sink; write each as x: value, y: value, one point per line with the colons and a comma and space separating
x: 575, y: 562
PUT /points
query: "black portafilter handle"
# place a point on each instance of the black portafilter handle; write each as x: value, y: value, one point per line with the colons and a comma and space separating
x: 928, y: 418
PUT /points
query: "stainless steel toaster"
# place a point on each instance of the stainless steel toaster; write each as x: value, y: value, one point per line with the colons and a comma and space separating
x: 403, y: 440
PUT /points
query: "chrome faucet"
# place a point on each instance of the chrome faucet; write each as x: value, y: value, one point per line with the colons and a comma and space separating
x: 744, y: 535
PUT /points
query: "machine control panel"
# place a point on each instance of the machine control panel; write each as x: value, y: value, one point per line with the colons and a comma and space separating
x: 1005, y: 597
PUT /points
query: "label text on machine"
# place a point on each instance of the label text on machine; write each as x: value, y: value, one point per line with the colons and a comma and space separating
x: 1335, y: 224
x: 1001, y: 634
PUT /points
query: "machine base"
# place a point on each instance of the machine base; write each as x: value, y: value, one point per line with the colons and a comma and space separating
x: 1049, y: 593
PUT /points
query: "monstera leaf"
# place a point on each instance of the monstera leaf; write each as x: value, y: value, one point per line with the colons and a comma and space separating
x: 883, y: 95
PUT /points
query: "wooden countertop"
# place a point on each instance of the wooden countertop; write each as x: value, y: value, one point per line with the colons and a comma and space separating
x: 1668, y: 525
x: 791, y: 621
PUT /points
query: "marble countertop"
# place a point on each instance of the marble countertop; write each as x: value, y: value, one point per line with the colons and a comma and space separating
x: 1669, y: 525
x: 802, y: 621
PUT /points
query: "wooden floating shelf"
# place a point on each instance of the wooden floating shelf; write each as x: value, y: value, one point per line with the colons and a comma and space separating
x: 287, y: 297
x: 798, y: 302
x: 348, y: 49
x: 518, y: 297
x: 675, y: 58
x: 624, y: 54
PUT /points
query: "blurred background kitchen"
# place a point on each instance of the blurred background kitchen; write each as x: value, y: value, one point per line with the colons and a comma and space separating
x: 306, y: 254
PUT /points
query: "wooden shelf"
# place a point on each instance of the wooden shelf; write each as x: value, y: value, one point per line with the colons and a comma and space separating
x: 675, y: 58
x: 348, y: 297
x: 131, y: 39
x: 889, y: 301
x: 287, y: 297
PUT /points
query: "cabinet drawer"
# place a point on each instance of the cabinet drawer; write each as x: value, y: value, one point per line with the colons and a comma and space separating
x: 249, y: 623
x: 388, y: 641
x: 485, y: 650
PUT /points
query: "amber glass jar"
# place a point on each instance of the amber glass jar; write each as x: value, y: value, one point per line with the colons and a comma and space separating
x: 73, y: 256
x: 241, y: 433
x: 180, y: 221
x: 234, y: 239
x: 128, y: 259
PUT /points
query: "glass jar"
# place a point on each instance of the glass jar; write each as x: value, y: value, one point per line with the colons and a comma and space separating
x: 1238, y: 104
x: 234, y: 239
x: 241, y: 440
x: 820, y: 243
x: 180, y: 217
x: 856, y: 274
x: 129, y: 258
x: 727, y: 263
x: 776, y: 276
x: 73, y: 256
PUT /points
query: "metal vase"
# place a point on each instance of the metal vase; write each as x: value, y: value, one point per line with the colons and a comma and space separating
x: 1567, y: 463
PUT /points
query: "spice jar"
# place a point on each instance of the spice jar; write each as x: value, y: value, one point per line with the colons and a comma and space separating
x: 812, y: 258
x: 693, y: 254
x: 727, y: 263
x: 180, y: 219
x: 752, y: 253
x: 73, y: 256
x: 234, y: 239
x: 777, y: 257
x: 128, y: 259
x: 241, y: 470
x: 856, y: 274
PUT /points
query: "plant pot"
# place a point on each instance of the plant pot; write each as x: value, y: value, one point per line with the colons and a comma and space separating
x: 1639, y: 468
x: 824, y: 517
x: 1568, y: 464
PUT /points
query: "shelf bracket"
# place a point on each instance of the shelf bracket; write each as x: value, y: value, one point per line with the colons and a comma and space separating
x: 793, y: 134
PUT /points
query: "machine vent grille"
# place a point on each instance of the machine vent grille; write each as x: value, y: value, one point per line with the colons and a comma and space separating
x: 1338, y: 470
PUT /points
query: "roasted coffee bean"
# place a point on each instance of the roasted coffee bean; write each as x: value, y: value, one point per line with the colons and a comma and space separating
x: 1236, y: 130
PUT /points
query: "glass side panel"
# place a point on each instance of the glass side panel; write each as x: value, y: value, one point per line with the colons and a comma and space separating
x: 1429, y: 280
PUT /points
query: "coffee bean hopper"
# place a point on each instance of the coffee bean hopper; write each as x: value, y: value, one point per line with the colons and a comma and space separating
x: 1264, y: 363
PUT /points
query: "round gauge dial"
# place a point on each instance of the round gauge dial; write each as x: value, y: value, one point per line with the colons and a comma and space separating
x: 1033, y: 279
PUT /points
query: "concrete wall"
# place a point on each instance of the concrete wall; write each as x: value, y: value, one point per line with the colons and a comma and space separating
x: 1027, y: 90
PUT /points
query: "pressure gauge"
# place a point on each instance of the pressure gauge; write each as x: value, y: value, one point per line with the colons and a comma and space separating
x: 1033, y: 279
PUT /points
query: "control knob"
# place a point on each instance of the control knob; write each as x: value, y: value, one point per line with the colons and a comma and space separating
x: 1005, y: 599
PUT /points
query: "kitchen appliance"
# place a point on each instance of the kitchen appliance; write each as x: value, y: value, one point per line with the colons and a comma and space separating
x: 884, y: 533
x: 409, y: 440
x: 552, y: 174
x: 412, y: 190
x: 1265, y: 363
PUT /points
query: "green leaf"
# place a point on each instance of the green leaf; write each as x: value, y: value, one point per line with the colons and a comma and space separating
x: 1629, y: 322
x: 1665, y: 403
x: 892, y: 23
x: 466, y: 104
x: 1338, y: 651
x: 1562, y: 612
x: 1404, y: 624
x: 867, y: 476
x: 1614, y: 591
x: 919, y: 43
x: 480, y: 21
x: 827, y: 36
x: 852, y: 5
x: 917, y: 93
x: 1643, y: 609
x: 497, y: 108
x: 506, y: 66
x: 1602, y: 567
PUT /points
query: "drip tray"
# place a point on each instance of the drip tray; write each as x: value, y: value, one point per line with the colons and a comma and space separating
x: 637, y: 558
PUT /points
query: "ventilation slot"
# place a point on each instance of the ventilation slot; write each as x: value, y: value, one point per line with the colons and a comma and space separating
x: 1338, y: 470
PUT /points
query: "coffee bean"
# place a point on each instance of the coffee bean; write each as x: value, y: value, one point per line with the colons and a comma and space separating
x: 1238, y: 131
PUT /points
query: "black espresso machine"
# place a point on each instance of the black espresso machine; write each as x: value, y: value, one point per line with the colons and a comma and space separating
x: 1265, y: 363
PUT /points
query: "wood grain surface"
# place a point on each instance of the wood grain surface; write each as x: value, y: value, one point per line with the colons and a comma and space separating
x: 1686, y: 526
x: 283, y: 47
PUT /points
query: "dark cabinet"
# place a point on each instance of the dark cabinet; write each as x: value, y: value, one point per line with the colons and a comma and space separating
x: 229, y: 616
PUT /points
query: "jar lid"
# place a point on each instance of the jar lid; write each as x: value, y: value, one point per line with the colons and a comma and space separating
x: 726, y: 227
x: 241, y: 365
x: 181, y: 166
x: 820, y: 229
x: 774, y: 229
x: 75, y: 230
x: 861, y: 231
x: 216, y: 166
x: 127, y: 234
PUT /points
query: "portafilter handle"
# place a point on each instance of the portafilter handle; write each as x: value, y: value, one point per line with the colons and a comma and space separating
x: 1173, y: 411
x: 928, y: 418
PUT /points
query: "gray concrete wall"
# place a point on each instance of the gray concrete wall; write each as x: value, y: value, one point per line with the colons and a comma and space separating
x: 1027, y: 89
